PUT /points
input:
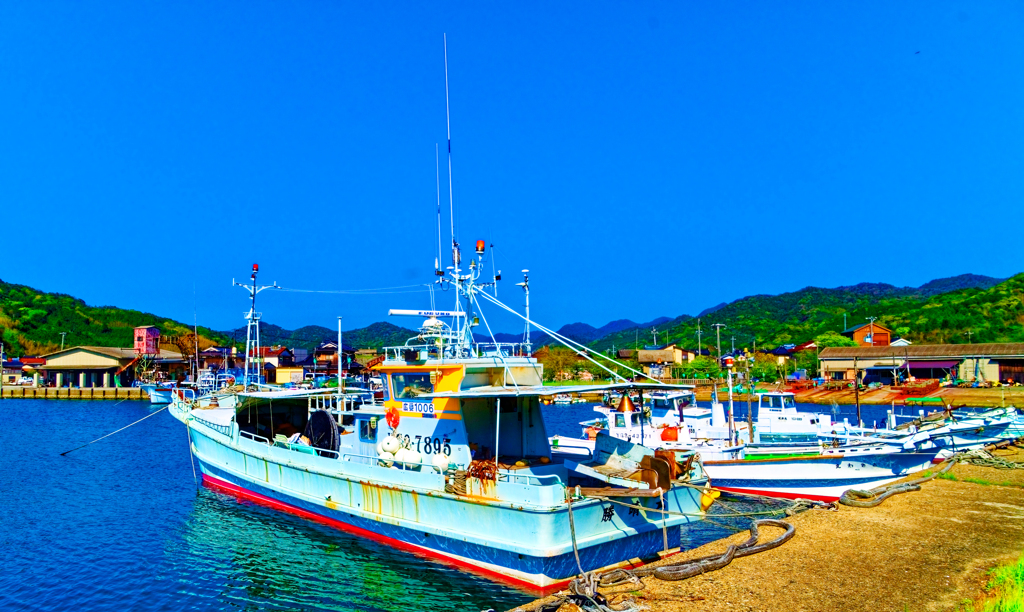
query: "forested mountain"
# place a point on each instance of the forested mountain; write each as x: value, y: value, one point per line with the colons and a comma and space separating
x: 958, y: 309
x: 31, y: 322
x: 986, y: 305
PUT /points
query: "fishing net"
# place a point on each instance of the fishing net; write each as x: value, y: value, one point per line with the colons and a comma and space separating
x: 322, y: 431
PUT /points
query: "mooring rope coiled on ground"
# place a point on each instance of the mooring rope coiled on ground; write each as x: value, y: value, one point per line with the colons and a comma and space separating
x: 984, y: 458
x: 872, y: 497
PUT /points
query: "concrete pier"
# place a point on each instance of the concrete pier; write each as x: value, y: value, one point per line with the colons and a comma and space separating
x: 92, y: 393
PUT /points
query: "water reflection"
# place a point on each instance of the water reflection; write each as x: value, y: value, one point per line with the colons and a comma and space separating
x: 257, y: 558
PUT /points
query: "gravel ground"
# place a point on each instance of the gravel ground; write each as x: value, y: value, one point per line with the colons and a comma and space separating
x: 921, y: 551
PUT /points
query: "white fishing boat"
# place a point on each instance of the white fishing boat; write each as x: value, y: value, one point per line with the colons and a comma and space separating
x: 453, y: 463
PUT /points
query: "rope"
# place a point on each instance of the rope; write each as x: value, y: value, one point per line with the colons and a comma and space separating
x: 984, y: 458
x: 377, y: 291
x: 114, y: 432
x: 579, y: 348
x: 871, y: 498
x: 191, y: 459
x: 584, y: 589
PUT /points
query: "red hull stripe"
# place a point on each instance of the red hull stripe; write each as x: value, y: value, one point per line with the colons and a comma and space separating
x: 782, y: 494
x: 227, y: 487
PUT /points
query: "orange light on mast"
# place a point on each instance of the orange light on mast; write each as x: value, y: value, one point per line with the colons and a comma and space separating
x: 480, y: 247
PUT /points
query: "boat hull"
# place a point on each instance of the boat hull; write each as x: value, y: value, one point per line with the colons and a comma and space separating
x: 815, y: 478
x: 528, y: 546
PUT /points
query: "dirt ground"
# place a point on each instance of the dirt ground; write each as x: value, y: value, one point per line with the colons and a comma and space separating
x: 928, y: 550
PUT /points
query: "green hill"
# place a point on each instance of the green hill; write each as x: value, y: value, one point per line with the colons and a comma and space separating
x: 31, y: 322
x: 991, y: 309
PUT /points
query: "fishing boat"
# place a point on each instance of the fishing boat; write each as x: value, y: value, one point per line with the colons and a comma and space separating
x: 454, y: 462
x: 821, y: 477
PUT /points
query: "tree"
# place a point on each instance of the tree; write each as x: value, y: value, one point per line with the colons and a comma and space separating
x: 807, y: 360
x: 831, y: 338
x: 765, y: 367
x: 702, y: 367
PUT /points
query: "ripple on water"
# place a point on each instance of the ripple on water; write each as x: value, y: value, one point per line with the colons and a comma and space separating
x: 120, y: 525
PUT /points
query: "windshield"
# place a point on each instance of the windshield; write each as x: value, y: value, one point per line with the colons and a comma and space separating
x: 411, y: 385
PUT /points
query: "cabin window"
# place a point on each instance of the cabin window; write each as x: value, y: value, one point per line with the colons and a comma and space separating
x: 634, y: 418
x: 620, y: 420
x: 788, y: 401
x: 368, y: 430
x: 408, y: 386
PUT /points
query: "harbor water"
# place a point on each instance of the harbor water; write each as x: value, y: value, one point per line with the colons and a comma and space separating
x: 121, y: 525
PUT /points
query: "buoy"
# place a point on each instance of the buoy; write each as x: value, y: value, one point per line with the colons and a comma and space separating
x: 592, y: 433
x: 521, y: 463
x: 386, y: 459
x: 670, y: 434
x: 545, y: 460
x: 440, y: 461
x: 392, y: 417
x: 391, y: 445
x: 412, y: 458
x: 708, y: 497
x: 400, y: 456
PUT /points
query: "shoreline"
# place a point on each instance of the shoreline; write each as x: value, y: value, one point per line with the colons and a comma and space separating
x: 926, y: 550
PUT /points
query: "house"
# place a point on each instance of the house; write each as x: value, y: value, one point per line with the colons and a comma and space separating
x: 657, y: 361
x: 12, y: 371
x: 277, y: 356
x: 325, y: 359
x: 869, y: 334
x: 900, y: 342
x: 218, y: 357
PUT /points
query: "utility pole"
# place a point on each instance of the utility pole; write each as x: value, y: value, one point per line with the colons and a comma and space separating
x: 698, y: 337
x: 856, y: 389
x: 654, y: 330
x: 62, y: 334
x: 872, y: 329
x: 844, y: 321
x: 750, y: 397
x: 968, y: 334
x: 718, y: 334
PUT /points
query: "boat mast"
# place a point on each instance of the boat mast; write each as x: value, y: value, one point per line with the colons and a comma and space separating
x: 526, y: 288
x: 252, y: 317
x: 463, y: 328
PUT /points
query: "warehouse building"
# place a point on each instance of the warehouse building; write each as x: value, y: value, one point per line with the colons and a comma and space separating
x: 987, y: 362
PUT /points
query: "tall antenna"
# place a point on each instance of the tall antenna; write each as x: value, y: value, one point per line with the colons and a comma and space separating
x: 437, y: 172
x: 448, y: 117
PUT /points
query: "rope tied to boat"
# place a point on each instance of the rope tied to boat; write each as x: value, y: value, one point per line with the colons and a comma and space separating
x: 584, y: 592
x: 872, y: 497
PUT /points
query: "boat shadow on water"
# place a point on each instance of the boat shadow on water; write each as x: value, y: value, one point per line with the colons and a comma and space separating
x: 239, y: 552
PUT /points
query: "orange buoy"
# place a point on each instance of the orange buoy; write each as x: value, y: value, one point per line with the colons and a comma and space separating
x: 670, y: 434
x: 392, y: 417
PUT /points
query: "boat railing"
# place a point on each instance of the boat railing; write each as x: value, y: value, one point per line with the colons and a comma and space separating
x: 224, y: 429
x: 299, y: 448
x: 255, y: 437
x: 422, y: 352
x: 529, y: 479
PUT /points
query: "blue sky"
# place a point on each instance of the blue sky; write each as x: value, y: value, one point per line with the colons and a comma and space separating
x: 641, y: 159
